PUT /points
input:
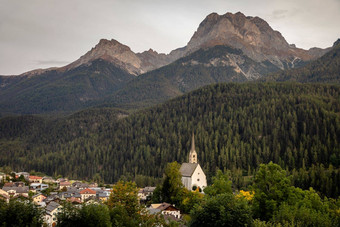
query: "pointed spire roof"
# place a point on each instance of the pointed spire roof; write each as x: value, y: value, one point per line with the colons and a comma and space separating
x: 193, y: 142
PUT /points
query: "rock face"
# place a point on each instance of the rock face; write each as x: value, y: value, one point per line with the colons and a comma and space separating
x: 252, y: 35
x: 123, y: 57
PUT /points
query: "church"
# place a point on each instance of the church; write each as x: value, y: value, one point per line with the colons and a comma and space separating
x: 192, y: 173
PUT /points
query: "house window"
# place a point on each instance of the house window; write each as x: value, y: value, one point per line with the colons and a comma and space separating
x: 193, y: 156
x: 198, y: 179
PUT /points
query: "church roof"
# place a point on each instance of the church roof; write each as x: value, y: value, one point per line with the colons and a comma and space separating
x: 187, y: 169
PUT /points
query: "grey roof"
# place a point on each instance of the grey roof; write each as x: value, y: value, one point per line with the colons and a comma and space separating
x: 149, y: 189
x: 52, y: 206
x: 72, y: 189
x: 187, y: 169
x: 153, y: 210
x: 80, y: 185
x: 23, y: 189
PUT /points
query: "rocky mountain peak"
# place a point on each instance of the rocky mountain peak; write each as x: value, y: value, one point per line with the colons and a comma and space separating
x: 336, y: 43
x: 111, y: 51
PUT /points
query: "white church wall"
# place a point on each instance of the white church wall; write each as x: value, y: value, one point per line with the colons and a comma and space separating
x: 198, y: 178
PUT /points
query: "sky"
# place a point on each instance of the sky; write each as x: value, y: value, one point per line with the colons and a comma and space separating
x: 52, y: 33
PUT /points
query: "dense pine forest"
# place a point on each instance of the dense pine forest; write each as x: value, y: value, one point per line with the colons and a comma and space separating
x: 237, y: 127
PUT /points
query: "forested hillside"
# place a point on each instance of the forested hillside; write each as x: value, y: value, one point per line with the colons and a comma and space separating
x: 237, y: 127
x: 56, y: 91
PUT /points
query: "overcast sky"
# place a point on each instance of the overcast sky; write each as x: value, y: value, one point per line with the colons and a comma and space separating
x: 45, y: 33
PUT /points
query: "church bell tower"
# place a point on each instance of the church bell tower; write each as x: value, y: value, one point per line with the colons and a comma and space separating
x: 193, y: 154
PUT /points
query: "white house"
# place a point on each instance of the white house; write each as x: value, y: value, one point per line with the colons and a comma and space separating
x: 192, y: 173
x: 52, y: 209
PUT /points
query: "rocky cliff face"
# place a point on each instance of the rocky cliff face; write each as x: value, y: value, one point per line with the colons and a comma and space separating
x: 252, y: 35
x: 123, y: 57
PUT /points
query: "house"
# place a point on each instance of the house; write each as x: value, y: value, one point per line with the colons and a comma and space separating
x: 48, y: 180
x: 70, y: 194
x: 2, y: 176
x: 165, y: 209
x: 80, y: 185
x: 64, y: 184
x: 192, y: 173
x: 38, y: 187
x: 87, y: 193
x: 93, y: 185
x: 4, y: 195
x: 14, y: 184
x: 35, y: 179
x: 25, y: 174
x: 37, y: 199
x: 74, y: 200
x: 52, y: 209
x: 146, y: 192
x: 16, y: 191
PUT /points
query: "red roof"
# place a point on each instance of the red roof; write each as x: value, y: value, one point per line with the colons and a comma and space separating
x: 87, y: 191
x: 35, y: 178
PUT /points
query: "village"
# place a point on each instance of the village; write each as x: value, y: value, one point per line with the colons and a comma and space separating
x: 50, y: 194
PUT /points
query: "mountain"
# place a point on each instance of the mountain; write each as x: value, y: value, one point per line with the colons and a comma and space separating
x: 252, y: 35
x: 205, y: 66
x: 323, y: 70
x: 56, y: 91
x: 237, y: 127
x: 121, y: 55
x: 225, y: 48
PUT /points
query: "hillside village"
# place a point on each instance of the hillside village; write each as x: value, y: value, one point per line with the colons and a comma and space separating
x: 50, y: 194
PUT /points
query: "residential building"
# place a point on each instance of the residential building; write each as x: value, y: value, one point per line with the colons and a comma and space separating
x: 165, y: 209
x: 38, y: 198
x: 25, y: 174
x: 35, y: 179
x: 48, y: 180
x: 17, y: 191
x: 64, y: 184
x: 168, y: 209
x: 146, y: 192
x: 2, y: 176
x: 52, y: 209
x: 87, y: 193
x: 80, y: 185
x: 38, y: 187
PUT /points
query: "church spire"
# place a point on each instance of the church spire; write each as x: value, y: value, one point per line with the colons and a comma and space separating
x: 193, y: 154
x: 192, y: 142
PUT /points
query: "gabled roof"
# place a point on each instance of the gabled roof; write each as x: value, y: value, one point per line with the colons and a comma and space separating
x: 187, y: 169
x: 87, y: 191
x: 23, y: 189
x: 52, y: 206
x: 165, y: 206
x: 38, y: 195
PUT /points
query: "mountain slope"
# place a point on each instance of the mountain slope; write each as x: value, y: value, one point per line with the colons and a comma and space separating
x: 55, y: 91
x: 323, y: 70
x: 237, y: 127
x: 205, y: 66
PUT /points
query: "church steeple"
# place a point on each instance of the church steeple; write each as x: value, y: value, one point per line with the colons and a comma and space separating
x: 193, y: 154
